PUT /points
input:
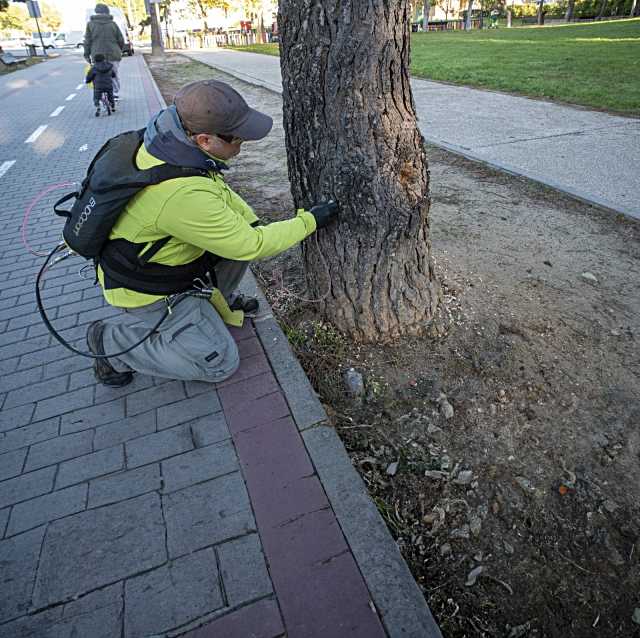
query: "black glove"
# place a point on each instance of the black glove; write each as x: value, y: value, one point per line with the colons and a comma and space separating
x: 324, y: 212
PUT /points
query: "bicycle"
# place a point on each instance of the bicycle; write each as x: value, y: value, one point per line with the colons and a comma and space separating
x: 104, y: 101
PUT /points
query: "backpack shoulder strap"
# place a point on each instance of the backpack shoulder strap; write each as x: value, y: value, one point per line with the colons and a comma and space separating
x: 163, y: 172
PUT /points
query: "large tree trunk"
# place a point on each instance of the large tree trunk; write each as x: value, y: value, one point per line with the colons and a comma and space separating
x: 541, y: 12
x: 351, y: 134
x: 426, y: 9
x: 157, y: 46
x: 603, y: 6
x: 568, y: 16
x: 635, y: 9
x: 468, y: 23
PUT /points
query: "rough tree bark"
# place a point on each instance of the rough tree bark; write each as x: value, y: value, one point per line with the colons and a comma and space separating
x: 351, y: 134
x: 157, y: 46
x: 540, y: 16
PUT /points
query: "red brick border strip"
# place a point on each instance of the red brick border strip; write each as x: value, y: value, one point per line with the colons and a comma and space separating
x: 317, y: 582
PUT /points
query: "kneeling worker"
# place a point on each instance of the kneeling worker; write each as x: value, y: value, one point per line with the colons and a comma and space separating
x: 193, y: 216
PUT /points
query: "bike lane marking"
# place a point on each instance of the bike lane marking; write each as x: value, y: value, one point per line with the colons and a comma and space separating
x: 5, y: 166
x: 36, y: 134
x: 70, y: 97
x: 57, y: 111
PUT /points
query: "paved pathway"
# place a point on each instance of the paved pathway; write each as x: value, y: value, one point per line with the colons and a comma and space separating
x: 164, y: 508
x: 590, y: 155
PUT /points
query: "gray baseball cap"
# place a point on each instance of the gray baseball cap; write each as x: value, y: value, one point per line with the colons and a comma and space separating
x: 210, y: 106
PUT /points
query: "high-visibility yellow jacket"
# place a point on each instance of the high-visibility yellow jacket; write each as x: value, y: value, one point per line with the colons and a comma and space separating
x: 200, y: 214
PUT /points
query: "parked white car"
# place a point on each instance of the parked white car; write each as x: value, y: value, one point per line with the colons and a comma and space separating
x: 50, y: 39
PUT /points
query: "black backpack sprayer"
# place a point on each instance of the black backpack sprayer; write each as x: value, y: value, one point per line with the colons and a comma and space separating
x: 112, y: 180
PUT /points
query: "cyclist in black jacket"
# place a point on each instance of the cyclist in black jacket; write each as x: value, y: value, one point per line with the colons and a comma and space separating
x: 101, y: 74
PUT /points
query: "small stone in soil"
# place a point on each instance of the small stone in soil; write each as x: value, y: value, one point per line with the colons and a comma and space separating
x: 508, y: 548
x: 636, y: 613
x: 445, y: 549
x: 354, y: 382
x: 446, y: 409
x: 464, y: 478
x: 524, y: 483
x: 473, y: 575
x: 460, y: 532
x: 520, y: 630
x: 392, y: 468
x: 430, y: 518
x: 589, y: 277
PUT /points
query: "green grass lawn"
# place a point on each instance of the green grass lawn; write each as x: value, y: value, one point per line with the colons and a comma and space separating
x: 593, y: 64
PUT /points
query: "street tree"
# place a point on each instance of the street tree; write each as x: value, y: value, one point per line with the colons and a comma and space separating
x: 51, y: 18
x: 134, y: 10
x: 201, y: 7
x: 603, y: 6
x: 468, y: 22
x: 351, y: 134
x: 426, y: 10
x: 14, y: 18
x: 568, y: 16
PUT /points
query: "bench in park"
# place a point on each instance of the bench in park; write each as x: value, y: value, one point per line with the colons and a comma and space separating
x: 8, y: 59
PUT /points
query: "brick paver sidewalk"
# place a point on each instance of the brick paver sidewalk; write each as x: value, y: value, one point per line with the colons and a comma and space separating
x: 164, y: 508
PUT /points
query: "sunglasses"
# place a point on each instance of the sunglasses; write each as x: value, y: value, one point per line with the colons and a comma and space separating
x: 229, y: 139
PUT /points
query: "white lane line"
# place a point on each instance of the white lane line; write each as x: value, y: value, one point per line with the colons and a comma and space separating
x: 79, y: 87
x: 57, y: 112
x: 70, y: 97
x: 5, y: 166
x: 36, y: 134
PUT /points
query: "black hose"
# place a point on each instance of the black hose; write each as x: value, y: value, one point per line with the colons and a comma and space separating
x: 67, y: 345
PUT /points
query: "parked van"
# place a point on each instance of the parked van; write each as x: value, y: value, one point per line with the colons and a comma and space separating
x: 50, y: 39
x: 121, y: 21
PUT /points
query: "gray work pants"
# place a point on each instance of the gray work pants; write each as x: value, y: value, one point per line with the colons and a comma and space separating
x: 192, y: 343
x: 116, y: 80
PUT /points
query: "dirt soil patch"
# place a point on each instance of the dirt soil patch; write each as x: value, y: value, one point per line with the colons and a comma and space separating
x: 505, y: 455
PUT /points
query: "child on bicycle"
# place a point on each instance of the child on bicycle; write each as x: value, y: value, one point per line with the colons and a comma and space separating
x: 101, y: 74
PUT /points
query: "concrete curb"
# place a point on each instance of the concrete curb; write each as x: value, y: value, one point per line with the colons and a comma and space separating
x: 393, y: 589
x: 452, y: 148
x: 400, y: 603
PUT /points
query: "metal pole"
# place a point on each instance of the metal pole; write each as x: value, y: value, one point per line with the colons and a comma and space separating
x: 44, y: 49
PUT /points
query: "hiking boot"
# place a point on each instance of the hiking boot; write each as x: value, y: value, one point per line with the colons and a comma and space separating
x: 102, y: 369
x: 249, y: 305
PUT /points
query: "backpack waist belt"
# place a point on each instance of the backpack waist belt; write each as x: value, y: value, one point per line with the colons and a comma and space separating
x: 124, y: 267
